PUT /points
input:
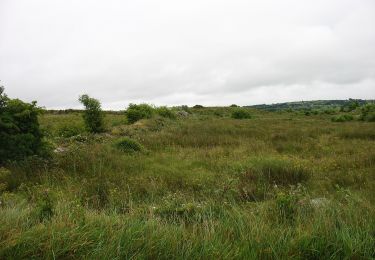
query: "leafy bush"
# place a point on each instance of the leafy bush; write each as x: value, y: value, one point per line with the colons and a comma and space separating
x: 286, y: 206
x: 342, y: 118
x: 241, y: 114
x: 128, y: 145
x: 368, y: 113
x: 165, y: 112
x: 198, y: 106
x: 311, y: 112
x: 43, y: 200
x: 233, y: 105
x: 329, y: 111
x: 138, y: 112
x: 93, y: 114
x: 20, y: 134
x: 44, y: 209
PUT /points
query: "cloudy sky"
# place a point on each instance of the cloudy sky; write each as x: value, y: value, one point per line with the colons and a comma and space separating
x: 171, y: 52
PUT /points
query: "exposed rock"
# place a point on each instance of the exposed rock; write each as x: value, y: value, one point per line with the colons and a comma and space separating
x: 182, y: 113
x: 60, y: 150
x: 319, y: 202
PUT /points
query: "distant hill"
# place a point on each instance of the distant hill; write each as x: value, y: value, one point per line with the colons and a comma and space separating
x: 315, y: 104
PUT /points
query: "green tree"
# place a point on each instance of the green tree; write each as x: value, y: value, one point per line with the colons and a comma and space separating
x: 20, y: 134
x: 93, y: 114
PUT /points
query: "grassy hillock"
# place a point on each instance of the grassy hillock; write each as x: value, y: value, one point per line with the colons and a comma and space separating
x: 200, y: 185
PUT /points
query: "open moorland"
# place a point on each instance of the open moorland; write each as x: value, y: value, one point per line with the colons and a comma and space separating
x: 196, y: 185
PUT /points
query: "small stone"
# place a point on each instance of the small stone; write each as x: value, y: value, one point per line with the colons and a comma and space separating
x: 60, y: 150
x: 319, y: 202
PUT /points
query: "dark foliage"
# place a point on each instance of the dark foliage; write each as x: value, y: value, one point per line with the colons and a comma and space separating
x: 368, y: 112
x: 342, y: 118
x: 128, y: 145
x: 241, y: 114
x: 20, y: 135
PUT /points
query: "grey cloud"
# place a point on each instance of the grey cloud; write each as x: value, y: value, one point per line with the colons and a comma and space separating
x: 186, y: 52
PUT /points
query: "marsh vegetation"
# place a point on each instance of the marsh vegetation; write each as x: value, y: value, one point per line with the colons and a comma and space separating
x: 197, y: 185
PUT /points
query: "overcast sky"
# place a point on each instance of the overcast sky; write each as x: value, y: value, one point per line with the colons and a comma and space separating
x: 171, y: 52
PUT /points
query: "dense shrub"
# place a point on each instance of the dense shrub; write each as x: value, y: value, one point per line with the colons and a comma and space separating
x: 165, y: 112
x: 311, y: 112
x: 233, y: 105
x: 93, y: 114
x: 368, y: 113
x: 241, y: 114
x: 342, y: 118
x: 198, y: 106
x: 329, y: 111
x: 138, y: 112
x: 20, y: 134
x: 128, y: 145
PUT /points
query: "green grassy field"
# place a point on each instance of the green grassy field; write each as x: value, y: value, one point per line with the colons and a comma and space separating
x: 277, y: 186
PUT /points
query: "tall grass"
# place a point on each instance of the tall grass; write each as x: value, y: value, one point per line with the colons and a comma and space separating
x: 278, y: 186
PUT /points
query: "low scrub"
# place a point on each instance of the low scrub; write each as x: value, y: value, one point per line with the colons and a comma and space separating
x: 342, y: 118
x: 368, y: 113
x: 136, y: 112
x: 289, y: 205
x: 165, y: 112
x: 241, y: 114
x: 128, y: 145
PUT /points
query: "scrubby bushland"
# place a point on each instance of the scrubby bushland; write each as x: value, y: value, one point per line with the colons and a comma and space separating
x: 20, y: 134
x: 368, y: 113
x: 93, y: 114
x: 241, y: 114
x: 350, y: 106
x: 342, y: 118
x: 136, y: 112
x: 165, y: 112
x: 128, y: 145
x: 207, y: 187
